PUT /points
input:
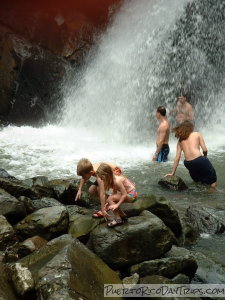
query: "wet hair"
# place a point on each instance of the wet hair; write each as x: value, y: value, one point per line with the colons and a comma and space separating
x: 161, y: 110
x: 105, y: 172
x: 183, y: 130
x: 84, y: 167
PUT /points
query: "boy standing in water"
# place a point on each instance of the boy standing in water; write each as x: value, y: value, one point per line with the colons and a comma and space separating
x: 162, y: 139
x: 199, y: 167
x: 88, y: 172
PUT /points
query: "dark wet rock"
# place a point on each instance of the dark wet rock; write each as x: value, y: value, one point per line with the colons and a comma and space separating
x: 12, y: 209
x: 82, y: 225
x: 141, y: 238
x: 30, y: 245
x: 6, y: 290
x: 45, y: 202
x: 5, y: 174
x: 167, y: 267
x: 46, y: 222
x: 160, y: 207
x: 174, y: 183
x: 17, y: 188
x: 65, y: 189
x: 7, y: 234
x: 22, y: 278
x: 204, y: 220
x: 58, y: 270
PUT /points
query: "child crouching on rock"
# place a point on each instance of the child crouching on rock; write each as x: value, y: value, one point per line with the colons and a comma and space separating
x: 121, y: 190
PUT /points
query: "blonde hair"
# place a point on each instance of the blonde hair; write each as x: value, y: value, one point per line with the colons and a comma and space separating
x: 84, y: 167
x: 105, y: 172
x: 183, y: 130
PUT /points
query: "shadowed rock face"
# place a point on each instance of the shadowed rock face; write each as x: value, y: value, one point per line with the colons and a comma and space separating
x: 38, y: 44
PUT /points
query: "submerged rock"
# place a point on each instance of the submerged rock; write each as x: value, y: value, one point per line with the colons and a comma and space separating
x: 174, y: 183
x: 204, y: 220
x: 46, y: 222
x: 141, y: 238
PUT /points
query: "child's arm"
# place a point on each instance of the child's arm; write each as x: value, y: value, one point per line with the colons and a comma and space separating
x: 78, y: 195
x: 176, y: 160
x: 102, y: 196
x: 202, y: 145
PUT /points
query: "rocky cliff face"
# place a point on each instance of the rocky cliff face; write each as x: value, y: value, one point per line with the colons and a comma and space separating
x: 38, y: 44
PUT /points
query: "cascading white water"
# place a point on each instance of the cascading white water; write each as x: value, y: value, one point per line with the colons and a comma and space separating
x: 144, y: 59
x: 113, y: 95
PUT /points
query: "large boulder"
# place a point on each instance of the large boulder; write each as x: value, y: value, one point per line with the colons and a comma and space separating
x: 45, y: 202
x: 160, y: 207
x: 174, y: 183
x: 82, y: 225
x: 143, y: 237
x: 59, y: 273
x: 46, y: 222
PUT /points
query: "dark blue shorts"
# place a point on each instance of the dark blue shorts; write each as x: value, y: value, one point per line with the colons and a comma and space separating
x: 163, y: 154
x: 201, y: 170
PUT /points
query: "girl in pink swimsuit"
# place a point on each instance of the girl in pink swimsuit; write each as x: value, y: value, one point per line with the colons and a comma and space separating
x: 119, y: 188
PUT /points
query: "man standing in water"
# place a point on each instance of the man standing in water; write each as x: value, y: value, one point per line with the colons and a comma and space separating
x: 184, y: 110
x: 162, y: 139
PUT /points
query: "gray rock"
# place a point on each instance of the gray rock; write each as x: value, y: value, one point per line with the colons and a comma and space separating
x: 12, y: 209
x: 7, y: 234
x: 141, y: 238
x: 82, y: 225
x: 174, y: 183
x: 65, y: 267
x: 160, y: 207
x: 167, y: 267
x: 28, y: 204
x: 204, y: 220
x: 181, y: 279
x: 5, y: 174
x: 45, y: 202
x: 38, y: 180
x: 46, y: 222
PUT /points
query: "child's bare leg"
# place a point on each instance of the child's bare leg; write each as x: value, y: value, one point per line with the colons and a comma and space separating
x: 93, y: 190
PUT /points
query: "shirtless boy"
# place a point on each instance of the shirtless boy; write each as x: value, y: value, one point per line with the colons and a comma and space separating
x: 199, y: 167
x: 184, y: 110
x: 162, y: 139
x: 88, y: 172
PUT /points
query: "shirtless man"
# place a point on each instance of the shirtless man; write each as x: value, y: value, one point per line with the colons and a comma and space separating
x: 184, y: 111
x: 199, y: 167
x: 162, y: 139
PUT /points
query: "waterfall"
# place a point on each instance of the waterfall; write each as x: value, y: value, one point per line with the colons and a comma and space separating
x: 152, y: 52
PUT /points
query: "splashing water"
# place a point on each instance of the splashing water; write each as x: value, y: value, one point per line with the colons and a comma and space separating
x: 146, y: 57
